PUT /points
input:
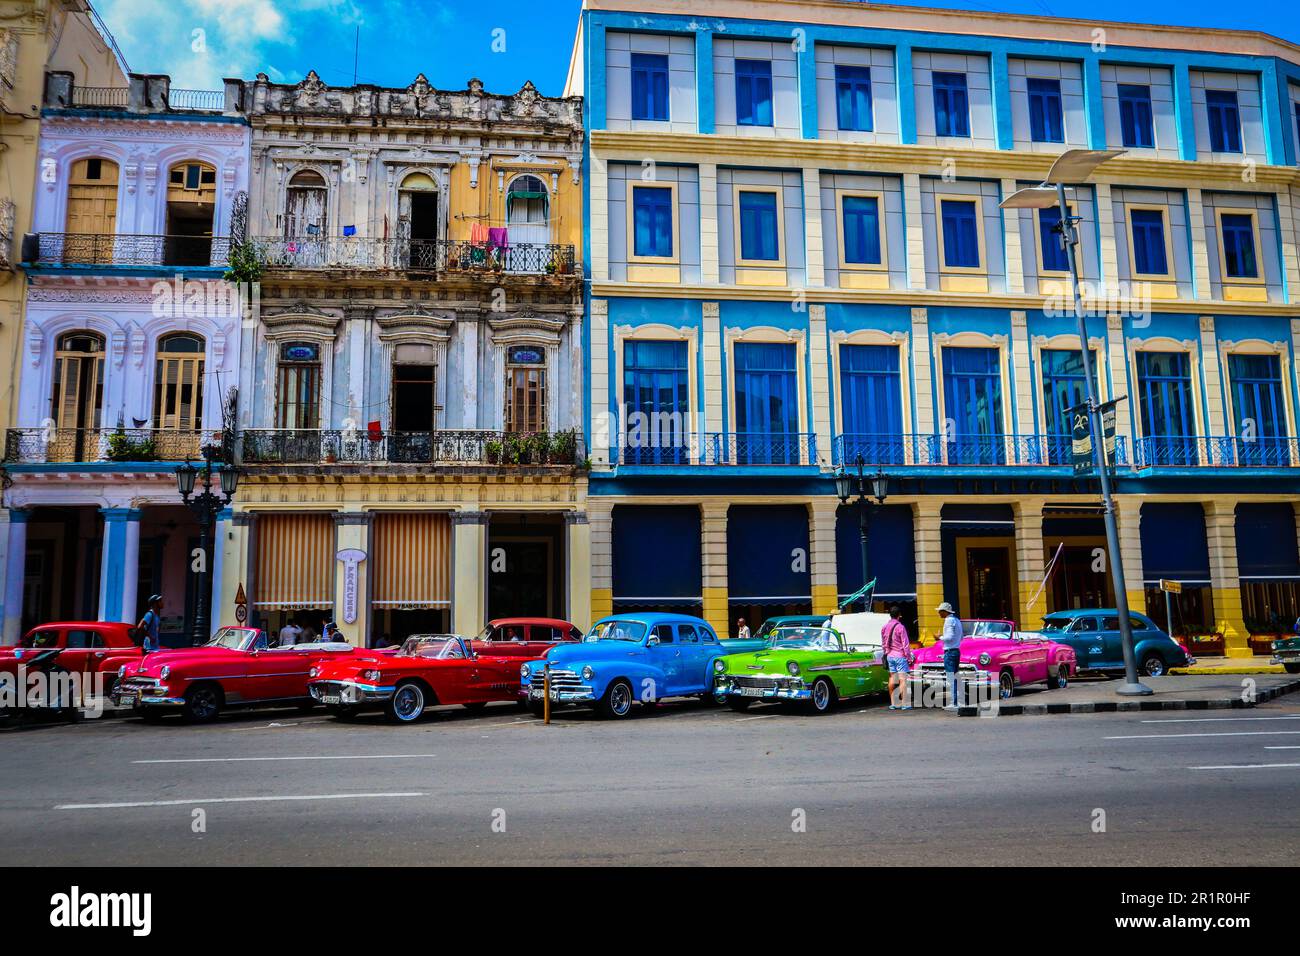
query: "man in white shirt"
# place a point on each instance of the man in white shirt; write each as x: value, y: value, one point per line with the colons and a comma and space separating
x: 290, y: 634
x: 951, y: 640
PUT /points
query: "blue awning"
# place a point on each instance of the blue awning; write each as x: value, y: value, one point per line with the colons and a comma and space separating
x: 981, y: 520
x: 1266, y: 541
x: 768, y: 556
x: 1173, y: 543
x: 657, y: 555
x: 890, y: 551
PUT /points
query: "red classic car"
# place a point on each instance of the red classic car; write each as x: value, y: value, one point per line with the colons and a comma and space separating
x: 526, y: 637
x: 237, y: 668
x: 994, y: 652
x: 428, y: 670
x: 85, y: 647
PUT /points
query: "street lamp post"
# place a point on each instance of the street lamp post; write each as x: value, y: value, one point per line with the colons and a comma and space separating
x: 205, y: 504
x: 846, y: 485
x: 1073, y: 167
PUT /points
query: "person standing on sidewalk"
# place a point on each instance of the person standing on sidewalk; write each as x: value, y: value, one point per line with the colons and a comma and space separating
x: 898, y: 656
x: 951, y: 640
x: 150, y: 625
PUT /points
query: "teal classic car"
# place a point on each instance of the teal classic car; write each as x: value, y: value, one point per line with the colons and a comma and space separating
x: 1286, y: 651
x: 811, y: 664
x: 740, y: 645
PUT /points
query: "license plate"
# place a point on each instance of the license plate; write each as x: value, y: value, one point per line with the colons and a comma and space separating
x: 126, y: 696
x: 751, y: 692
x: 331, y: 699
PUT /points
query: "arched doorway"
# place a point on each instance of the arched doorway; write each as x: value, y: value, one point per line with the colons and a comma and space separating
x: 92, y: 211
x: 191, y: 201
x: 178, y: 396
x: 77, y: 397
x: 417, y: 222
x: 528, y: 218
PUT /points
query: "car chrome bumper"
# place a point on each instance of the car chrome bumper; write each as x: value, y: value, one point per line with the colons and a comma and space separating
x: 559, y: 695
x: 145, y: 692
x: 348, y: 692
x: 1288, y: 657
x: 727, y: 686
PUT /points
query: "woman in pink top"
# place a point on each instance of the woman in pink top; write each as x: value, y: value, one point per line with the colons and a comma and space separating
x: 898, y: 656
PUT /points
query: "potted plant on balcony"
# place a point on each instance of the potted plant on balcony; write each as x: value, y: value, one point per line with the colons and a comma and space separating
x: 493, y: 451
x: 564, y: 448
x: 245, y: 264
x: 121, y: 447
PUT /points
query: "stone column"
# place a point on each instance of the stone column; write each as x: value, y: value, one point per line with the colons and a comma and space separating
x: 1212, y: 375
x: 218, y: 613
x: 1014, y: 253
x: 578, y: 546
x: 1128, y: 517
x: 711, y: 348
x: 602, y: 428
x: 1225, y: 582
x: 14, y: 527
x: 710, y: 270
x: 914, y: 228
x: 713, y: 553
x: 1026, y: 426
x: 1201, y: 288
x: 601, y: 541
x: 819, y: 371
x: 236, y: 546
x: 1116, y: 357
x: 469, y: 571
x: 352, y: 533
x: 823, y: 561
x: 1031, y: 560
x: 927, y: 542
x: 815, y: 269
x: 120, y: 565
x: 921, y: 377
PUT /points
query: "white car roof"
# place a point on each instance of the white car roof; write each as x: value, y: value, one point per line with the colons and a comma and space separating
x: 861, y: 631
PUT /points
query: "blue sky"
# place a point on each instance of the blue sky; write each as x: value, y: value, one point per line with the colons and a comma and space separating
x: 198, y: 42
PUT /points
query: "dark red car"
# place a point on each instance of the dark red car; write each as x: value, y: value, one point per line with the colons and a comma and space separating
x: 526, y: 637
x: 85, y: 647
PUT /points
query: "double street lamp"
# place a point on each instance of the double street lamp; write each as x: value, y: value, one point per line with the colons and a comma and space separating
x: 205, y: 504
x: 1075, y: 166
x: 866, y: 487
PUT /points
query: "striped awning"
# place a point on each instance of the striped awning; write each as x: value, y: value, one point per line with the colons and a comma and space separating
x: 295, y: 561
x: 412, y: 560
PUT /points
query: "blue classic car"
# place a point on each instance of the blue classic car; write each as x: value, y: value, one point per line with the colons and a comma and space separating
x: 1094, y: 635
x: 626, y: 658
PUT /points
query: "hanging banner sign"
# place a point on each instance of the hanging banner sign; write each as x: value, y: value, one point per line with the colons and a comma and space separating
x: 351, y: 558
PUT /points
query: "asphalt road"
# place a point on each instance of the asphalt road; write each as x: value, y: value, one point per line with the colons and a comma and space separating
x: 684, y: 784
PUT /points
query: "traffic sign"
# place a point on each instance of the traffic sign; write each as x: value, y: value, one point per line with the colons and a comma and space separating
x: 1173, y: 587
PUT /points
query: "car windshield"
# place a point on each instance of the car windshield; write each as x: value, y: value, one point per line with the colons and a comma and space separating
x: 1055, y: 625
x: 441, y: 647
x: 42, y: 639
x: 234, y: 638
x: 631, y: 631
x: 987, y: 629
x: 813, y: 638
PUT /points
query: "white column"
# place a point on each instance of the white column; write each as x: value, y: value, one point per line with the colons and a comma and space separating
x: 812, y: 225
x: 915, y: 231
x: 1015, y: 260
x: 131, y: 568
x: 602, y: 428
x: 709, y: 268
x: 15, y: 566
x: 578, y: 548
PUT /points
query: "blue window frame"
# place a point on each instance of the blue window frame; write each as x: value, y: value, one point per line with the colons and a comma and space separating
x: 1137, y: 128
x: 961, y: 242
x: 656, y: 396
x: 652, y: 221
x: 1046, y: 117
x: 759, y: 233
x: 972, y: 394
x: 1259, y: 411
x: 753, y: 92
x: 1165, y: 402
x: 649, y: 86
x: 1239, y: 260
x: 1225, y: 121
x: 1064, y: 387
x: 951, y: 104
x: 871, y: 404
x: 853, y: 97
x: 862, y: 230
x: 1055, y: 258
x: 1149, y: 256
x: 767, y: 403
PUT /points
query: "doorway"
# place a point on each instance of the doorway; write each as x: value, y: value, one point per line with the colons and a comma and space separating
x: 414, y: 408
x: 987, y: 579
x: 191, y: 200
x: 526, y: 566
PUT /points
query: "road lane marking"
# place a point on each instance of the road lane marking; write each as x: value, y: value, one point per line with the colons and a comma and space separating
x: 1246, y: 766
x: 307, y: 757
x: 758, y: 717
x: 1206, y: 720
x: 1281, y: 747
x: 1230, y: 733
x: 201, y: 800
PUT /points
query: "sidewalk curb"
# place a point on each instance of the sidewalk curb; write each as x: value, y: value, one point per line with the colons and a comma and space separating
x: 1130, y: 706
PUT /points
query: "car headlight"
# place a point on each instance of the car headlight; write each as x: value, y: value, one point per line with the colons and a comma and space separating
x: 166, y: 672
x: 372, y: 675
x: 719, y: 666
x: 792, y: 667
x: 524, y: 670
x: 313, y: 671
x: 588, y: 673
x: 121, y: 671
x: 985, y: 660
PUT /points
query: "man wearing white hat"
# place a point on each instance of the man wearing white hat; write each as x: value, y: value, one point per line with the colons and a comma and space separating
x: 951, y: 640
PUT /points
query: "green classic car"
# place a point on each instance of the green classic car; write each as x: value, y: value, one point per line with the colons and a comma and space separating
x: 1286, y: 651
x: 814, y: 665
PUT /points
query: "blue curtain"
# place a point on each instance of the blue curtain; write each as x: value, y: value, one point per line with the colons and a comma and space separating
x: 961, y: 246
x: 758, y: 226
x: 649, y: 86
x: 753, y: 93
x: 1173, y: 542
x: 853, y: 97
x: 1224, y: 119
x: 972, y: 385
x: 862, y: 229
x: 891, y: 551
x: 1165, y: 403
x: 1064, y: 386
x: 652, y: 221
x: 1259, y: 413
x: 1266, y: 540
x: 1055, y: 257
x: 1149, y: 242
x: 767, y: 403
x: 656, y: 388
x: 1045, y: 119
x: 1239, y: 246
x: 871, y: 404
x: 656, y: 555
x: 951, y: 104
x: 1135, y: 123
x: 762, y: 565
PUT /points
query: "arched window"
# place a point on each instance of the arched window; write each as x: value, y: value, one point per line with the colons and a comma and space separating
x: 306, y: 206
x: 528, y: 211
x: 417, y: 221
x: 191, y: 201
x: 178, y: 383
x: 92, y: 210
x: 77, y: 398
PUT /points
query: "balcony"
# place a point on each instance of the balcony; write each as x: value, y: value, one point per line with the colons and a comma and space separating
x: 441, y: 256
x: 1179, y: 451
x: 723, y: 448
x: 282, y: 446
x: 84, y: 249
x: 27, y: 446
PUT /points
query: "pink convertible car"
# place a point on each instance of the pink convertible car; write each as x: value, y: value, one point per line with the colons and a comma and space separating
x: 994, y: 651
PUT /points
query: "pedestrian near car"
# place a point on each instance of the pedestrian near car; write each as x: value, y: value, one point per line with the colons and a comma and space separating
x: 151, y: 624
x: 742, y: 629
x: 951, y: 640
x: 898, y: 656
x: 290, y: 634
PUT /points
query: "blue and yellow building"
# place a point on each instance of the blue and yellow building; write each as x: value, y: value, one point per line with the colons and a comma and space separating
x: 798, y: 260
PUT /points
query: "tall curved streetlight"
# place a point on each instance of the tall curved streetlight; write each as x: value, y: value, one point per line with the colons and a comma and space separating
x: 1074, y: 167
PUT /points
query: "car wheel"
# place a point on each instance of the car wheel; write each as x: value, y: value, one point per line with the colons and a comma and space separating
x: 202, y: 703
x: 1153, y: 665
x: 823, y: 696
x: 1292, y: 668
x: 476, y: 705
x: 1061, y: 678
x: 710, y: 699
x: 739, y: 703
x: 617, y: 702
x: 407, y: 703
x: 1006, y: 685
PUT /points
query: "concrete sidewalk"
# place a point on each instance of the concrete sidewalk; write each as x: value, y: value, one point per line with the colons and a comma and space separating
x: 1230, y: 665
x: 1213, y: 691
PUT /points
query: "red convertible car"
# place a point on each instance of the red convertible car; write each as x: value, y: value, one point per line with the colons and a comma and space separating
x: 237, y: 668
x: 85, y: 647
x: 428, y: 670
x: 526, y: 637
x: 994, y: 652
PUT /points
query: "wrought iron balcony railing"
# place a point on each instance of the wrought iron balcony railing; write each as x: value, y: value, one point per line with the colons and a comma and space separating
x: 1228, y: 451
x: 719, y: 448
x: 318, y: 446
x: 417, y: 255
x: 87, y: 249
x: 100, y: 97
x: 69, y: 445
x: 197, y: 101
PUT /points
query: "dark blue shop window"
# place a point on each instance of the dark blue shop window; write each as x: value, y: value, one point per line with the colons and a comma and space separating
x: 853, y: 97
x: 649, y: 86
x: 759, y: 233
x: 1239, y: 260
x: 656, y: 557
x: 1149, y: 257
x: 767, y: 403
x: 656, y: 397
x: 862, y: 230
x: 1259, y: 410
x: 1135, y: 121
x: 1225, y: 121
x: 753, y: 93
x: 871, y: 404
x: 961, y: 244
x: 652, y: 221
x: 1165, y: 403
x: 1046, y: 117
x: 951, y: 105
x: 972, y: 390
x: 1055, y: 258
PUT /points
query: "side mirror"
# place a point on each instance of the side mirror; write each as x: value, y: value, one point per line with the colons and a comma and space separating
x: 652, y: 641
